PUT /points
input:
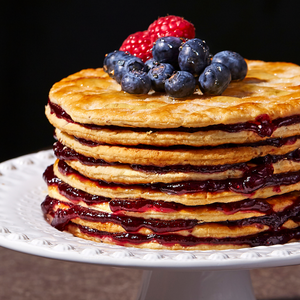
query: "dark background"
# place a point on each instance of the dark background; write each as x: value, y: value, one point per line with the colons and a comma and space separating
x: 44, y: 41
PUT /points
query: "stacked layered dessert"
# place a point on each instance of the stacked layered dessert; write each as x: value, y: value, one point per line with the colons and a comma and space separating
x: 197, y: 173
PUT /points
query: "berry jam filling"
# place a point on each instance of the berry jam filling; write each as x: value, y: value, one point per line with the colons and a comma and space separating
x: 62, y: 217
x: 263, y: 125
x: 253, y: 205
x: 65, y: 153
x: 259, y: 177
x: 143, y: 205
x: 69, y: 192
x: 268, y: 238
x: 88, y: 142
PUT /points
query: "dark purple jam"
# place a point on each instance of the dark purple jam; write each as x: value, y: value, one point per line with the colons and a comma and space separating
x: 271, y: 159
x: 262, y: 125
x: 258, y: 177
x: 61, y: 218
x: 65, y: 153
x: 69, y: 192
x: 143, y: 205
x: 88, y: 142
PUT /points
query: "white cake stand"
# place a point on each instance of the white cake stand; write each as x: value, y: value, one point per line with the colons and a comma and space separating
x: 209, y: 275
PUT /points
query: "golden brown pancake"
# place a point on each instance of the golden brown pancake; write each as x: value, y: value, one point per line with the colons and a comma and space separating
x: 92, y: 97
x: 163, y: 138
x: 165, y: 156
x: 126, y: 175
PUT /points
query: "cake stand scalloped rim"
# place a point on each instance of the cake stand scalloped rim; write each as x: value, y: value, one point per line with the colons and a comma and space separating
x: 23, y: 228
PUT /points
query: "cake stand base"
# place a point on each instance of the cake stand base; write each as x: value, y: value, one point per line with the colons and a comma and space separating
x: 206, y: 285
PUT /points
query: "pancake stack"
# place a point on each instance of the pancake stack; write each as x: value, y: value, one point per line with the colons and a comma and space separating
x: 199, y: 173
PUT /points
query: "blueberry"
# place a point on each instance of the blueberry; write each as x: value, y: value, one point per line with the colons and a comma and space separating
x: 127, y: 64
x: 180, y: 84
x: 117, y: 72
x: 159, y: 74
x: 166, y: 49
x: 136, y: 82
x: 234, y: 61
x: 111, y: 59
x: 194, y: 56
x: 151, y: 63
x: 215, y: 79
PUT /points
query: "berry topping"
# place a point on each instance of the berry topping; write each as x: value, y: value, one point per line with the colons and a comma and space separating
x: 166, y: 49
x: 138, y: 44
x: 136, y: 82
x: 181, y: 84
x: 234, y: 61
x: 159, y: 74
x: 194, y: 56
x: 171, y: 26
x: 215, y: 79
x: 173, y: 58
x: 111, y: 59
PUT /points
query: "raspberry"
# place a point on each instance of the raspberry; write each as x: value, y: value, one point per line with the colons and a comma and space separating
x: 171, y: 26
x: 138, y: 44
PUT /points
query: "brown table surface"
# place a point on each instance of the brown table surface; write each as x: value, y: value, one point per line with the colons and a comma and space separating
x: 24, y: 276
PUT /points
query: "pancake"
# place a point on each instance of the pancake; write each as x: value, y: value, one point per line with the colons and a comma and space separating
x: 92, y: 97
x: 137, y: 174
x: 178, y: 242
x: 228, y: 154
x: 163, y: 138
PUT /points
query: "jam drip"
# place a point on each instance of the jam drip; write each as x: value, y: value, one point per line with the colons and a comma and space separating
x: 268, y: 238
x: 143, y: 205
x: 62, y: 217
x: 69, y: 192
x: 262, y: 125
x: 257, y: 178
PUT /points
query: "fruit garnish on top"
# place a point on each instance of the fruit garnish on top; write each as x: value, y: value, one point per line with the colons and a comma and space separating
x: 168, y: 58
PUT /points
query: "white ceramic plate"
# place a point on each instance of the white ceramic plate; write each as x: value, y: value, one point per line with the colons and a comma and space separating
x: 23, y: 228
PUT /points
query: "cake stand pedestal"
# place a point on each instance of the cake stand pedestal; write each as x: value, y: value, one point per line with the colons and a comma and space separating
x: 207, y: 275
x: 206, y: 285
